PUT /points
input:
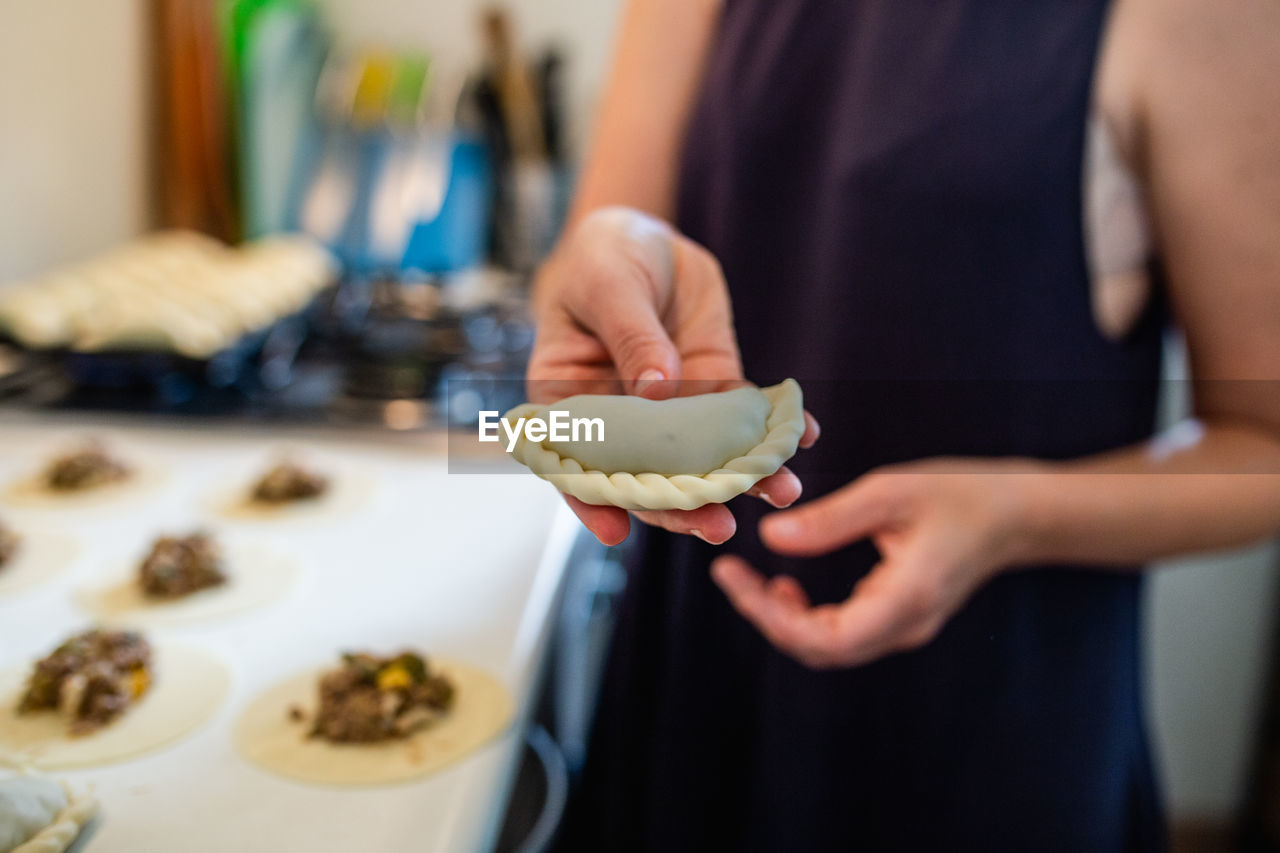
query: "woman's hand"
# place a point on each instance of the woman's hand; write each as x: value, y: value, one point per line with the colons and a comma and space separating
x: 627, y: 305
x: 943, y: 529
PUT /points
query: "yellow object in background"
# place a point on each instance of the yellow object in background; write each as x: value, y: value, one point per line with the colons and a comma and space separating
x: 373, y: 90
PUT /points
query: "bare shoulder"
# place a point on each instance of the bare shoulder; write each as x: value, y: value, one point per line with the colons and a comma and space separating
x: 1193, y: 69
x: 1194, y: 88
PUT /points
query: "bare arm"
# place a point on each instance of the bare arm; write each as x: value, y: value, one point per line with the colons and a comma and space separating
x: 657, y: 67
x: 1200, y: 109
x: 1207, y: 115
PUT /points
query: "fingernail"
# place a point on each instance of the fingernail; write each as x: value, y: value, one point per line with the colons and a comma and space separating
x: 696, y: 532
x: 648, y: 379
x: 764, y: 496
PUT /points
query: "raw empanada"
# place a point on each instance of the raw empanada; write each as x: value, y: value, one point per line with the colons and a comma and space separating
x: 670, y: 454
x: 38, y: 815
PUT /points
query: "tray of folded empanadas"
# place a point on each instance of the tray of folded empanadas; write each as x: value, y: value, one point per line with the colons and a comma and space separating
x: 173, y: 301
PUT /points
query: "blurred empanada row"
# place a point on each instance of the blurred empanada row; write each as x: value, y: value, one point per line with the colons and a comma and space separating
x: 172, y: 291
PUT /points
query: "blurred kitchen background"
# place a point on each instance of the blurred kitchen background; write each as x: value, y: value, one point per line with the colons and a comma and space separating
x: 431, y: 145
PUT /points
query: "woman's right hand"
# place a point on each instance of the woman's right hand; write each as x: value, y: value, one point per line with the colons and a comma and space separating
x: 627, y: 305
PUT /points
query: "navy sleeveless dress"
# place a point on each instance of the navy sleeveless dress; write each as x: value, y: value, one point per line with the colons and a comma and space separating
x: 894, y: 190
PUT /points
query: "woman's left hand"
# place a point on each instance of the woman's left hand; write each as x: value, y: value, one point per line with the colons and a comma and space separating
x: 943, y: 528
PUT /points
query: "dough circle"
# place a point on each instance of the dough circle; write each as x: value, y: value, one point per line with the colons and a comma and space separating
x: 348, y: 492
x: 41, y: 556
x: 32, y: 493
x: 640, y: 490
x: 257, y: 576
x: 266, y: 736
x: 189, y: 686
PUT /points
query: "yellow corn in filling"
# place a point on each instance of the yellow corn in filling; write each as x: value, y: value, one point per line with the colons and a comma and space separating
x: 393, y: 677
x: 139, y: 681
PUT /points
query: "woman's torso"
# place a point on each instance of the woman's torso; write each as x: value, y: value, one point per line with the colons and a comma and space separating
x: 894, y: 192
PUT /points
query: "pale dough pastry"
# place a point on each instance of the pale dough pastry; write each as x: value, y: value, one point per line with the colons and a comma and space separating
x: 38, y: 815
x: 266, y: 736
x: 670, y: 454
x: 189, y: 686
x: 41, y: 556
x: 257, y: 576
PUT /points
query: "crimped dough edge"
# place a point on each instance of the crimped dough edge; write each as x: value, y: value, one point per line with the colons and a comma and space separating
x: 65, y: 826
x: 783, y: 429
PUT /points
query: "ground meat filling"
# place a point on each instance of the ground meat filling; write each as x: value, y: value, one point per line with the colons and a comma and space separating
x: 93, y: 678
x: 371, y: 698
x: 287, y: 483
x: 84, y: 469
x: 9, y: 542
x: 179, y: 566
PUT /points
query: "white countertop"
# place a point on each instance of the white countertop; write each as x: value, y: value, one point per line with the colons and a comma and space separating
x: 464, y: 566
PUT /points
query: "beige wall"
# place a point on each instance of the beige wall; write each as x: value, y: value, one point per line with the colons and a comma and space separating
x: 72, y: 137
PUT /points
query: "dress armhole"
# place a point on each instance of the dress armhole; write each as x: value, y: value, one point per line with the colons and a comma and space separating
x: 1117, y: 233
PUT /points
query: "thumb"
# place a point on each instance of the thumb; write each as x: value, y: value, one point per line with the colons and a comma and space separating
x: 627, y: 324
x: 854, y: 512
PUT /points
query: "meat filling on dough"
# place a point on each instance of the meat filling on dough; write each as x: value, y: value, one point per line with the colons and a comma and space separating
x: 371, y: 698
x: 9, y: 542
x: 289, y: 482
x: 87, y: 468
x: 93, y: 678
x: 180, y: 566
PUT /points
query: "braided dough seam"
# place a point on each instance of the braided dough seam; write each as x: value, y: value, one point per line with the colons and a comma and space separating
x: 783, y: 429
x: 65, y: 827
